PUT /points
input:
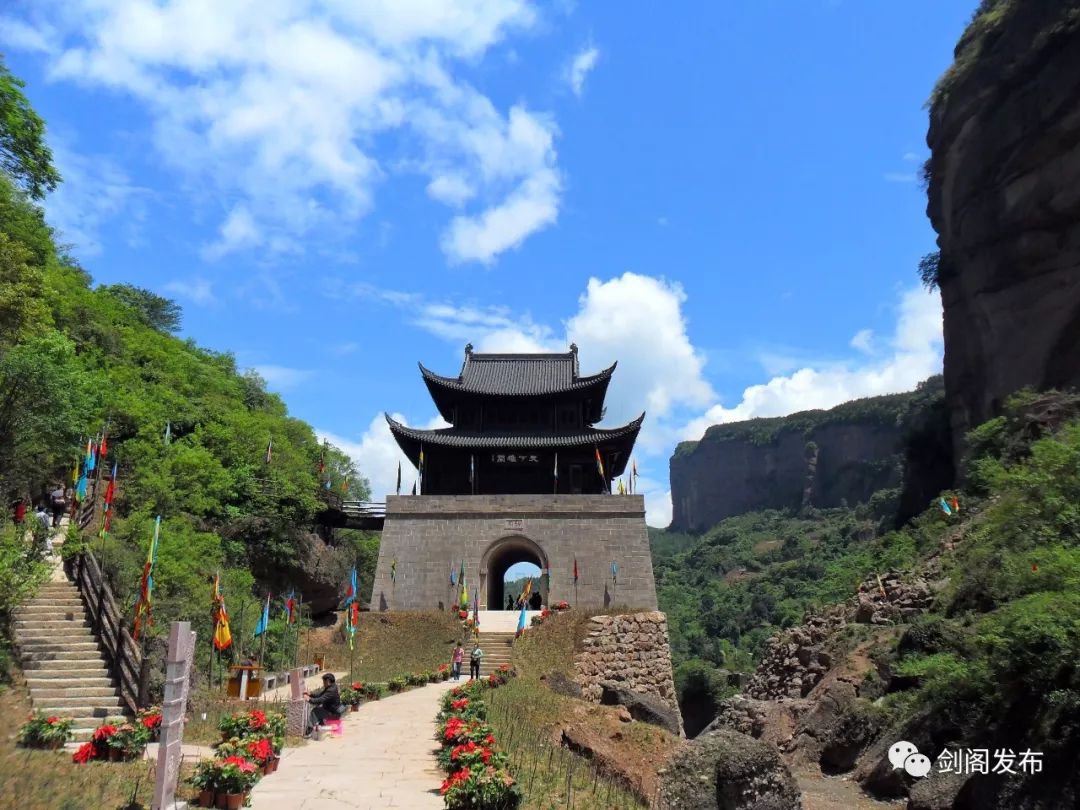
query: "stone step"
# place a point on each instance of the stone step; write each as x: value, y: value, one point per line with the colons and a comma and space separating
x: 77, y: 690
x: 37, y: 607
x: 87, y: 705
x: 57, y: 628
x: 57, y: 641
x: 70, y: 673
x: 59, y: 659
x: 86, y: 716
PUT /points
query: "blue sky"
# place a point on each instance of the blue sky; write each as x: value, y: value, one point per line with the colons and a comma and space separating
x: 721, y: 196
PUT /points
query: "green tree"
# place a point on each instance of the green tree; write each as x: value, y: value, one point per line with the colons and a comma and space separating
x: 153, y: 310
x: 23, y: 153
x: 22, y: 309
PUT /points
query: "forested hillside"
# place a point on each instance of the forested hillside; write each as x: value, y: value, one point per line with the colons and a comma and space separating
x: 187, y: 429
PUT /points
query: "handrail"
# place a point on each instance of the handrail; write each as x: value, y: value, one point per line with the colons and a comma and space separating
x: 125, y: 660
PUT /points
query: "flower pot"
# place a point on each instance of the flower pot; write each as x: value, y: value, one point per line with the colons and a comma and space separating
x: 274, y: 764
x: 206, y: 798
x: 233, y: 801
x: 53, y: 745
x: 115, y: 754
x: 354, y: 707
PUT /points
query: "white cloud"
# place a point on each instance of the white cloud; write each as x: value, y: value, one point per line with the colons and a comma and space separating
x: 282, y: 378
x: 377, y: 455
x: 900, y: 177
x: 277, y: 106
x: 863, y: 341
x: 580, y: 67
x: 916, y: 354
x: 911, y: 157
x: 198, y: 291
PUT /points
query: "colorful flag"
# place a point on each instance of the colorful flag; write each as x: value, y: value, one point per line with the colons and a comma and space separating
x: 633, y: 475
x: 103, y: 448
x: 110, y: 488
x: 322, y: 461
x: 264, y: 619
x: 91, y: 456
x: 472, y: 471
x: 521, y: 621
x: 326, y: 486
x: 463, y: 603
x: 575, y: 571
x: 622, y: 489
x: 393, y: 570
x: 269, y: 450
x: 144, y: 604
x: 955, y: 504
x: 397, y: 488
x: 222, y: 633
x: 600, y: 465
x: 80, y: 488
x: 461, y: 573
x: 526, y: 592
x: 420, y: 465
x: 168, y: 432
x: 290, y: 608
x: 476, y: 612
x: 453, y: 574
x: 945, y: 507
x: 345, y: 486
x: 352, y: 620
x: 614, y: 573
x: 75, y: 473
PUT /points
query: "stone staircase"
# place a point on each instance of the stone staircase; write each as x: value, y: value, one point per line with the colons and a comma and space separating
x: 497, y: 649
x: 63, y: 663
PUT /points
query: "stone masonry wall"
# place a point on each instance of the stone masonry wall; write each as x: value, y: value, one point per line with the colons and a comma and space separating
x: 629, y: 651
x: 428, y: 535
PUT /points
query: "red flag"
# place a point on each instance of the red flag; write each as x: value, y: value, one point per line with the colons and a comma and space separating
x: 575, y: 570
x: 104, y: 446
x: 355, y: 608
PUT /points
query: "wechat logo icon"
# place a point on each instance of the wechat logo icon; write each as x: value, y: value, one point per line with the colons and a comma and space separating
x: 905, y: 755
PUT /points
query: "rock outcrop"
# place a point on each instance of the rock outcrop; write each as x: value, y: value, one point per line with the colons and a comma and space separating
x: 822, y: 459
x: 1004, y: 198
x: 726, y: 770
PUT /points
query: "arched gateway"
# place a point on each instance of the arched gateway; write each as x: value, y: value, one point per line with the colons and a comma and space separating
x: 523, y: 474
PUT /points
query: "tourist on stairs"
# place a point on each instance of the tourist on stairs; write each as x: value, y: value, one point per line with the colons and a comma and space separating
x: 474, y: 661
x: 459, y: 656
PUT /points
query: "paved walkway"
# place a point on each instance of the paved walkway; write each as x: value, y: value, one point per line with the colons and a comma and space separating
x: 386, y: 758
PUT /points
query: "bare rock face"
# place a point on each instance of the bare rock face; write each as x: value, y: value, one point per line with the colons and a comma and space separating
x: 1004, y: 197
x: 725, y: 770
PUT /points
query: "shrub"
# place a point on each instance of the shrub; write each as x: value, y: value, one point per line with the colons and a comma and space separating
x: 396, y: 685
x: 374, y: 691
x: 45, y: 731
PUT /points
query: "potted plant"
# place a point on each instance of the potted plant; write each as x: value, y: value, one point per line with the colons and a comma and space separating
x: 396, y: 685
x: 260, y: 750
x: 374, y: 691
x: 45, y: 731
x: 444, y: 672
x: 350, y: 697
x: 128, y: 742
x: 150, y: 719
x: 204, y: 780
x: 235, y: 777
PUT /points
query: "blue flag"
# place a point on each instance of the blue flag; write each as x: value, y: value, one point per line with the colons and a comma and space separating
x: 945, y: 507
x: 521, y: 621
x: 264, y: 620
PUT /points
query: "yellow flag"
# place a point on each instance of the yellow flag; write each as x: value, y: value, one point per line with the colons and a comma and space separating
x: 464, y: 596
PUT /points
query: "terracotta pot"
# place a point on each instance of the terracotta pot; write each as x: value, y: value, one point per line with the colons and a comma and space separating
x: 354, y: 707
x: 54, y: 745
x: 115, y: 754
x: 221, y: 801
x: 206, y: 798
x: 274, y: 764
x: 234, y: 801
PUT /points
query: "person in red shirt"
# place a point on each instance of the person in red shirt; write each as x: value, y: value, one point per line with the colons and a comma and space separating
x: 20, y: 511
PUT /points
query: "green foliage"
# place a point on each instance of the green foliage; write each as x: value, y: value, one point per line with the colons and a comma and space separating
x: 24, y: 155
x: 21, y: 570
x: 151, y: 309
x: 929, y: 269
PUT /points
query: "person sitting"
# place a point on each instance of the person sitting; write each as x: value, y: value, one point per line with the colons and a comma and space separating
x: 327, y: 703
x: 535, y: 601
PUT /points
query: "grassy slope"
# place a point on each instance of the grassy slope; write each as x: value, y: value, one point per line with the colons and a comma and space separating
x: 528, y: 717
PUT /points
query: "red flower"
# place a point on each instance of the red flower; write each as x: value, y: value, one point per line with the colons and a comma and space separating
x: 486, y: 755
x: 102, y: 733
x: 489, y: 739
x: 257, y: 719
x: 52, y: 720
x: 455, y: 778
x: 357, y: 686
x: 86, y: 752
x: 459, y: 705
x: 493, y: 680
x: 239, y: 762
x: 463, y: 614
x: 260, y: 750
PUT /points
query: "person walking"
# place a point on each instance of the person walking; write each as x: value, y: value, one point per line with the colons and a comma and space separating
x: 474, y: 661
x: 19, y: 511
x: 58, y: 501
x: 459, y: 656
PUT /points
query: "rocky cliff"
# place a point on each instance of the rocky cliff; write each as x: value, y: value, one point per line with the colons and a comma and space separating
x: 815, y: 458
x: 1004, y: 197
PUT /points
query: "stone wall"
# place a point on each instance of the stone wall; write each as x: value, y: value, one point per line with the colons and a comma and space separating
x: 428, y: 535
x: 630, y: 652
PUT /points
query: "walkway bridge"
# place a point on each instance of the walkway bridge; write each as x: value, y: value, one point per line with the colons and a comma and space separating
x: 341, y: 514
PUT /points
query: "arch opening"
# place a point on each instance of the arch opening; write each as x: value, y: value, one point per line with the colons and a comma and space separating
x: 517, y: 556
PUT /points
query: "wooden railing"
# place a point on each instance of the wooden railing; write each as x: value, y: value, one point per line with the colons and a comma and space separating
x: 125, y: 659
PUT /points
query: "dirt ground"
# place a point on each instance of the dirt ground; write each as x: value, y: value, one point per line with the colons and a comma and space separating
x: 837, y: 793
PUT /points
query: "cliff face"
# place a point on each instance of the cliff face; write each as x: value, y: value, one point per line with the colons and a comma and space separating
x: 1004, y: 197
x: 816, y: 458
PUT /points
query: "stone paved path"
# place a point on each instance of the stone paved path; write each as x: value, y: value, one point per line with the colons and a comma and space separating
x: 386, y: 758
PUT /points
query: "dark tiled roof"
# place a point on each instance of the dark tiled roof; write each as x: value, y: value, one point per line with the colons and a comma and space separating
x: 518, y: 374
x: 452, y: 437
